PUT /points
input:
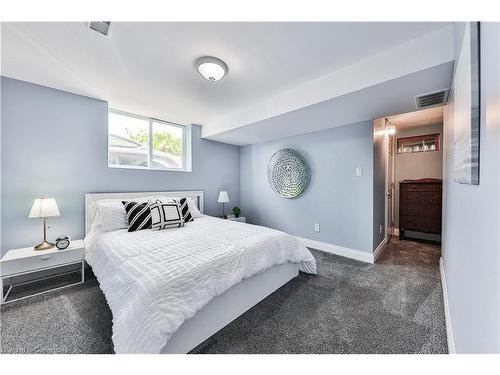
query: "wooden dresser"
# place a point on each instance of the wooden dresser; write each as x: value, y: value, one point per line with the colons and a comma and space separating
x: 420, y: 204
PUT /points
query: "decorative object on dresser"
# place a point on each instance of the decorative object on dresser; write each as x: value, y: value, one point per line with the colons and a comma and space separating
x: 223, y: 198
x: 420, y: 206
x: 288, y: 173
x: 44, y: 208
x: 20, y: 262
x: 236, y: 212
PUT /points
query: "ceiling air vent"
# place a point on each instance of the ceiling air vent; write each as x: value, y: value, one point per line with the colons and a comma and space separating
x: 432, y: 99
x: 101, y: 27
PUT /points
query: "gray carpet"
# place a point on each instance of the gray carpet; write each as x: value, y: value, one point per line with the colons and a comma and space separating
x: 394, y: 306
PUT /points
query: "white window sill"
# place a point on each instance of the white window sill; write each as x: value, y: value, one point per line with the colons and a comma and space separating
x: 117, y: 166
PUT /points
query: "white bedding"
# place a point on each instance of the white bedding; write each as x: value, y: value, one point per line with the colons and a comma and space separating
x: 155, y: 280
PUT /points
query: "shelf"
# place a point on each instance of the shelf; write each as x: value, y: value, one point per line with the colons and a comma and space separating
x: 420, y: 143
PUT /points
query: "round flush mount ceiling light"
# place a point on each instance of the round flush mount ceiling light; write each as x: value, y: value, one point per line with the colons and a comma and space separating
x: 211, y: 68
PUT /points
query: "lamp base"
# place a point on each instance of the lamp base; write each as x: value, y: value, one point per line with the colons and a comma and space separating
x: 44, y: 246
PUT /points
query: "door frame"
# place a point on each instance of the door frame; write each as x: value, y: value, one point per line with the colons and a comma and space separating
x: 390, y: 148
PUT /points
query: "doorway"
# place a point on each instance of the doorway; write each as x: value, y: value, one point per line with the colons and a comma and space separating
x: 413, y: 175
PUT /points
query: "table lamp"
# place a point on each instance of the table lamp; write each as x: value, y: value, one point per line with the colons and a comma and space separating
x: 223, y: 198
x: 43, y: 208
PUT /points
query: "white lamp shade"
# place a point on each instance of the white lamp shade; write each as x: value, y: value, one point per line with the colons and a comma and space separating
x: 212, y: 68
x: 44, y: 207
x: 223, y: 197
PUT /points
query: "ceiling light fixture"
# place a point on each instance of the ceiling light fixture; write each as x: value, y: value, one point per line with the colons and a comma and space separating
x: 211, y: 68
x: 389, y: 128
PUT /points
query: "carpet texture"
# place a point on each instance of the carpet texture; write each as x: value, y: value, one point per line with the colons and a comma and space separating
x: 394, y: 306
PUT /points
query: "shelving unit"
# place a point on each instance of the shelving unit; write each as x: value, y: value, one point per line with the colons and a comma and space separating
x: 421, y: 143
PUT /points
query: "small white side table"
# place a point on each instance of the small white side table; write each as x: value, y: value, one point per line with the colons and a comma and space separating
x: 241, y: 219
x: 26, y: 261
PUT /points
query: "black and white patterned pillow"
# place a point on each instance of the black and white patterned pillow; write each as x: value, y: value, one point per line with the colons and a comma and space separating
x: 138, y: 215
x: 186, y: 214
x: 166, y: 215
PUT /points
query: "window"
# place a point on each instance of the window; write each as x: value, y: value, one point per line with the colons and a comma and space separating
x: 141, y: 142
x: 420, y: 143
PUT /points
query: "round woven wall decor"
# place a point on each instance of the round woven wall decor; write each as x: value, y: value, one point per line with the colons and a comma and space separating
x: 288, y: 173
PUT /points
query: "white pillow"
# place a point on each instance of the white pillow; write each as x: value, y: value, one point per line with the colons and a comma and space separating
x: 193, y: 208
x: 110, y: 214
x: 96, y: 223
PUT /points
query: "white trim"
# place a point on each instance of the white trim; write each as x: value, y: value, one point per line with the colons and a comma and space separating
x: 148, y: 168
x: 449, y: 327
x: 197, y: 195
x: 363, y: 256
x: 379, y: 250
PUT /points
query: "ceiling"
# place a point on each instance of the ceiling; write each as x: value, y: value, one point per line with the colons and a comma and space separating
x: 393, y: 96
x: 148, y: 68
x: 431, y: 116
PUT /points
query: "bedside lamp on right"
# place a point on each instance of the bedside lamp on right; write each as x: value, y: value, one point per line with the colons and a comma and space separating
x: 223, y: 198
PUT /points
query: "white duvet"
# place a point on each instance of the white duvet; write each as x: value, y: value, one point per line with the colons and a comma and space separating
x: 155, y: 280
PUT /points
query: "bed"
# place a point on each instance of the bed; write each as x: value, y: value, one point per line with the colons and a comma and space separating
x: 170, y: 290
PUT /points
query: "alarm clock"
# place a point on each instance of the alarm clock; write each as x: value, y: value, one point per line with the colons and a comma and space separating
x: 62, y: 242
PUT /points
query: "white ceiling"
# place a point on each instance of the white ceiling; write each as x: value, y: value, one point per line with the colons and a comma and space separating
x: 431, y: 116
x: 148, y: 68
x: 390, y: 97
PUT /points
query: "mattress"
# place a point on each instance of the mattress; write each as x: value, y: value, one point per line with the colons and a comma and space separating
x: 155, y: 280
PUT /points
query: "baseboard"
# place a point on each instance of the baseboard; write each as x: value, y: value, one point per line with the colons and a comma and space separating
x: 449, y: 327
x: 379, y: 250
x: 338, y: 250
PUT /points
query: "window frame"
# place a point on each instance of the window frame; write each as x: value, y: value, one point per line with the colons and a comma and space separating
x: 186, y: 144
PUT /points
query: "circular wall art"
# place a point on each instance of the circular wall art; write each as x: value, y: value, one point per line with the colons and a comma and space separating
x: 288, y: 173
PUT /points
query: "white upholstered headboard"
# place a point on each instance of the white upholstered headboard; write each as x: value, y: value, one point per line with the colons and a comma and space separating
x: 197, y: 196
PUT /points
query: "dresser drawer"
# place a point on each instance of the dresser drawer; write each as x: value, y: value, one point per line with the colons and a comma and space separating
x: 420, y: 224
x: 421, y: 187
x: 40, y: 261
x: 422, y: 203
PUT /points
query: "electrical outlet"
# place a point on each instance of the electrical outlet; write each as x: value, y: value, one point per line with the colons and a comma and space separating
x: 359, y: 171
x: 381, y: 229
x: 316, y: 227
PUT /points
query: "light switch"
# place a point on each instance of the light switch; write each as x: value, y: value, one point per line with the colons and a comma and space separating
x: 316, y: 227
x: 359, y: 171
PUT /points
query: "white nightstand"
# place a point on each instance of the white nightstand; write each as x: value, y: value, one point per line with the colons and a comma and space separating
x: 25, y: 261
x: 241, y: 219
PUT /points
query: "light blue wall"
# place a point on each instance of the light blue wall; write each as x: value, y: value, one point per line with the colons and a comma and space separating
x: 340, y: 202
x: 471, y: 218
x: 380, y: 148
x: 55, y: 144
